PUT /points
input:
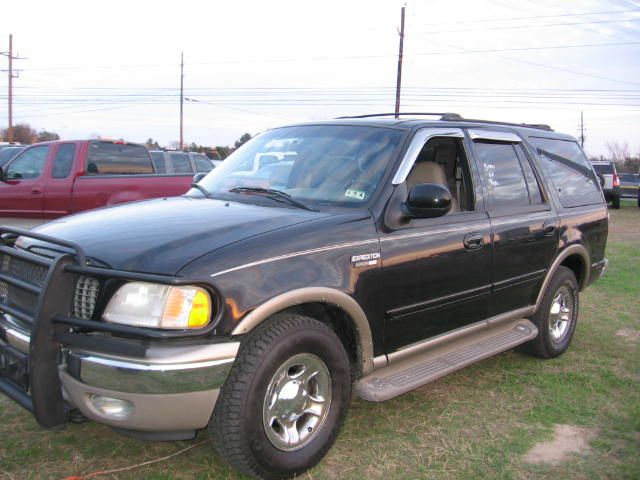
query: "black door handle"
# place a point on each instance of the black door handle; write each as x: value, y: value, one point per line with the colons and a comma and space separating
x: 549, y: 228
x: 473, y: 241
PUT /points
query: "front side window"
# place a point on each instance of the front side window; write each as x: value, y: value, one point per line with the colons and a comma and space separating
x: 64, y: 161
x: 505, y: 179
x: 180, y: 163
x: 115, y: 158
x: 570, y: 171
x: 332, y: 165
x: 28, y: 165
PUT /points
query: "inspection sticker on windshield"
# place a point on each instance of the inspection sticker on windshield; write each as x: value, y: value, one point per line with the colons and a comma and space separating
x: 358, y: 194
x: 365, y: 260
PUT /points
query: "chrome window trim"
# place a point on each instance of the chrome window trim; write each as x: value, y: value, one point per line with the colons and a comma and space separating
x: 418, y: 141
x: 481, y: 134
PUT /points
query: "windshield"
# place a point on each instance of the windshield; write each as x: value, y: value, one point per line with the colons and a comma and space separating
x: 8, y: 153
x: 330, y: 165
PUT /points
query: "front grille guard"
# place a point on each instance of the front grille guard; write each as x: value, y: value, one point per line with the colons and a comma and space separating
x: 52, y: 323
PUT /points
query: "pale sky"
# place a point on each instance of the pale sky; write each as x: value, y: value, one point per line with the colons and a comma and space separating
x: 251, y: 65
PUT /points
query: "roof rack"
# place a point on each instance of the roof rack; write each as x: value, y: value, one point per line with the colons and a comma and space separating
x: 454, y: 117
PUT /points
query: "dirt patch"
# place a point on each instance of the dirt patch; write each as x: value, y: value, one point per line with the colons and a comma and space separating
x: 567, y: 439
x: 630, y: 333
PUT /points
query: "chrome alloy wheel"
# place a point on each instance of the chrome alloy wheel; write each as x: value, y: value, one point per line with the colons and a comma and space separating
x: 297, y: 402
x: 561, y: 314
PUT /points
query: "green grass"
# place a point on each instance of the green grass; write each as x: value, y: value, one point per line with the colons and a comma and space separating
x: 476, y: 423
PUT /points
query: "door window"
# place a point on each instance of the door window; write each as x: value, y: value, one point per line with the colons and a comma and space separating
x: 29, y: 164
x: 158, y: 162
x: 443, y: 161
x: 505, y: 178
x: 180, y: 163
x: 64, y: 161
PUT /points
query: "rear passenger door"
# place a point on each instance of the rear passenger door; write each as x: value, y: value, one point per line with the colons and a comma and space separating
x: 524, y: 225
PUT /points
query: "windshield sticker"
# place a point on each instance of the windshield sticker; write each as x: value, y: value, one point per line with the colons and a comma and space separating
x: 357, y: 194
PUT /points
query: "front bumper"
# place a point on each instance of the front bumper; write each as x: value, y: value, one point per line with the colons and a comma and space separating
x: 130, y: 378
x: 172, y: 389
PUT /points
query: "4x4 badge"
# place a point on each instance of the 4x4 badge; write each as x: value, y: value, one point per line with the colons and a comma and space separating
x: 365, y: 260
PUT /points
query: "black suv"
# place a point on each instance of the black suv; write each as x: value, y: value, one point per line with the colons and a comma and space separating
x: 392, y: 252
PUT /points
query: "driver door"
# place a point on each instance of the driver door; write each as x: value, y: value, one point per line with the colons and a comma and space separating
x: 21, y: 192
x: 437, y: 271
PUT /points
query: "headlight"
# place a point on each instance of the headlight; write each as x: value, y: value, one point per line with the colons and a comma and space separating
x: 152, y: 305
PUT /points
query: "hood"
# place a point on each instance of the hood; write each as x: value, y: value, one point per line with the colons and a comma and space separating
x: 162, y: 235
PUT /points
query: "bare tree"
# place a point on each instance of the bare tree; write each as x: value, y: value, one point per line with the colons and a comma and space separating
x: 618, y: 151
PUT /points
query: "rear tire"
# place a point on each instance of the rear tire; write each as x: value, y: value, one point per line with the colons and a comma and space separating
x: 556, y: 316
x: 285, y: 399
x: 615, y: 202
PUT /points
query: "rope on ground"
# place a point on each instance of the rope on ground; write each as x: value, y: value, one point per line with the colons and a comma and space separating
x: 131, y: 467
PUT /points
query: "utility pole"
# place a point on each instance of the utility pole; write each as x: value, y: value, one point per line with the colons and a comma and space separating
x: 9, y: 54
x: 399, y: 79
x: 181, y: 100
x: 582, y: 129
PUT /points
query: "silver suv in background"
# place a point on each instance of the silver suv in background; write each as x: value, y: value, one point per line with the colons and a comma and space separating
x: 176, y: 162
x: 609, y: 181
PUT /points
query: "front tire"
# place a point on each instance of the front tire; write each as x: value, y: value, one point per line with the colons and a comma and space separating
x: 285, y: 399
x: 556, y: 316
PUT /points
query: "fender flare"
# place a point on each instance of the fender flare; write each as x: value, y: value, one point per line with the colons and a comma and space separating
x: 321, y: 295
x: 562, y: 256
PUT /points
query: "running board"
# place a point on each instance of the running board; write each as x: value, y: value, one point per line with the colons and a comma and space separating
x: 420, y: 369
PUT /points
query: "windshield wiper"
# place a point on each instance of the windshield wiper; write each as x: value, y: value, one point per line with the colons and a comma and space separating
x: 204, y: 191
x: 276, y: 195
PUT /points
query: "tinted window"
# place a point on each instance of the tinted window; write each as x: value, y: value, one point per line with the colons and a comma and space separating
x: 158, y: 162
x: 109, y: 158
x: 29, y: 164
x: 203, y: 164
x: 535, y: 195
x: 604, y: 168
x: 64, y: 161
x: 570, y: 171
x: 180, y: 163
x: 506, y: 183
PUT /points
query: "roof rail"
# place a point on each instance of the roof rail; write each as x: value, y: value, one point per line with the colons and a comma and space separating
x: 430, y: 114
x: 454, y: 117
x: 539, y: 126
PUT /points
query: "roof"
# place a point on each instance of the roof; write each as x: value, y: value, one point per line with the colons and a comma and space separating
x: 407, y: 121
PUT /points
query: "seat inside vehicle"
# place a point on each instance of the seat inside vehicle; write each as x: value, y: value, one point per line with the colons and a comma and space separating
x: 442, y: 161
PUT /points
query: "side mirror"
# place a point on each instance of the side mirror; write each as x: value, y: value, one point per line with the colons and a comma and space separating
x: 198, y: 176
x: 427, y: 200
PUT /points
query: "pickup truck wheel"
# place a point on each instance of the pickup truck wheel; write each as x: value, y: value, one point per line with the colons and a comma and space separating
x: 285, y: 399
x: 556, y: 316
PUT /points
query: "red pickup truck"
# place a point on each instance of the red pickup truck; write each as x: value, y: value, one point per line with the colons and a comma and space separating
x: 52, y: 179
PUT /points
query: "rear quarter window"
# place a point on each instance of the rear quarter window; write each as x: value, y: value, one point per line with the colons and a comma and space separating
x: 570, y: 171
x: 108, y: 158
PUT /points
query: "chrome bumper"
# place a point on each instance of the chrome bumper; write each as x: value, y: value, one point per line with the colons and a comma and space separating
x: 171, y: 389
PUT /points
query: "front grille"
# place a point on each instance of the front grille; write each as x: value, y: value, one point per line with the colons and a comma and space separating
x: 28, y: 272
x: 86, y: 295
x: 23, y: 270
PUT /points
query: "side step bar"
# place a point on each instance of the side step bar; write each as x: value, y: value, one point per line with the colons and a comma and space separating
x: 418, y: 370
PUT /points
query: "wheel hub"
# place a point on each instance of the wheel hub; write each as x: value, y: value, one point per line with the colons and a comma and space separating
x: 561, y: 314
x: 297, y: 402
